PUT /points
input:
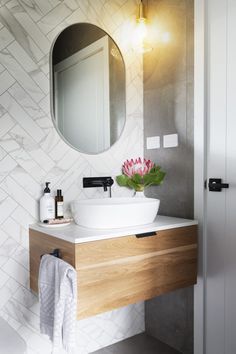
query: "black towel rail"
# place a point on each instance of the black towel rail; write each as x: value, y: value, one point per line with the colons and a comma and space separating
x: 55, y: 253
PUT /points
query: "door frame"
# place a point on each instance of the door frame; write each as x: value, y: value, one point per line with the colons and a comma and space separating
x: 200, y: 161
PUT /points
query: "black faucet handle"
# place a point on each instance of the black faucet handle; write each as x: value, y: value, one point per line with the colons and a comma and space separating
x: 109, y: 181
x: 91, y: 182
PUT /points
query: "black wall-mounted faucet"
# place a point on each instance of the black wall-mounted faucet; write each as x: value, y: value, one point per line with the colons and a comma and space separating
x: 105, y: 182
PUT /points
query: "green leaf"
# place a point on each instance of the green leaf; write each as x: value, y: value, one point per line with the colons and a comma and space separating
x: 122, y: 180
x: 155, y: 169
x: 137, y: 178
x: 132, y: 184
x: 148, y: 179
x: 125, y: 181
x: 154, y: 178
x: 159, y: 178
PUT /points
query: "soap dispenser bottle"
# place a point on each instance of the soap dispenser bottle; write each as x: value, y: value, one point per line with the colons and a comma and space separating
x: 47, y: 207
x: 59, y: 213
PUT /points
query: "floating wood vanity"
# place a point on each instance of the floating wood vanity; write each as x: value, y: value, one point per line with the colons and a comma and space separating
x: 120, y: 267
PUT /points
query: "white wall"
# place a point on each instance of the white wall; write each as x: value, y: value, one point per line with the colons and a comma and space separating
x: 31, y: 152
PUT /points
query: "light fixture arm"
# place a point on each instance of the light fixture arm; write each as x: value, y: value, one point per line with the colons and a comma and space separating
x: 141, y: 11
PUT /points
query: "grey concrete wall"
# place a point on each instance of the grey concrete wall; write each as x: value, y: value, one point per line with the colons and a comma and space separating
x: 168, y: 109
x: 168, y: 103
x: 169, y: 318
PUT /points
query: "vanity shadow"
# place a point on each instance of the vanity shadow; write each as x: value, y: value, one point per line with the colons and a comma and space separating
x: 140, y: 344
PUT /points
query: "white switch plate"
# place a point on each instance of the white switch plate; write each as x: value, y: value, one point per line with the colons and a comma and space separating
x: 170, y: 140
x: 153, y: 142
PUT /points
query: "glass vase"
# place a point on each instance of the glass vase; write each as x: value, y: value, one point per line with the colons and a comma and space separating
x: 139, y: 194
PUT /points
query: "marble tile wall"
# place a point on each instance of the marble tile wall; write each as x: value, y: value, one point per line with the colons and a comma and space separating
x: 31, y: 152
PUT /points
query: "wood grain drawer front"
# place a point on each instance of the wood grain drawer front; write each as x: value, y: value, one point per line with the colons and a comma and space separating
x: 129, y: 246
x: 117, y: 272
x: 39, y: 244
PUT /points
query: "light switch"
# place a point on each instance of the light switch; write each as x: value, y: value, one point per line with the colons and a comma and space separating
x: 153, y: 142
x: 170, y: 140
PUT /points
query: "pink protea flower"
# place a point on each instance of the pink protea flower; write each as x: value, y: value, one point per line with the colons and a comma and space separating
x: 140, y: 173
x: 138, y: 166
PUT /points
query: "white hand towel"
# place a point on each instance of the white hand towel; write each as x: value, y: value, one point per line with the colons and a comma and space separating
x: 58, y: 300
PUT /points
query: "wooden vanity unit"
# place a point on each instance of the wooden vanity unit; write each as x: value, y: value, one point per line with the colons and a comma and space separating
x: 119, y: 270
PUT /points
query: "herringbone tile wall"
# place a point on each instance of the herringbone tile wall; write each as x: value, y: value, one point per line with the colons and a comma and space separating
x: 31, y: 152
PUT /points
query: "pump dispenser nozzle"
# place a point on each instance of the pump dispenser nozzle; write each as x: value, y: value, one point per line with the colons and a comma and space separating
x: 47, y: 190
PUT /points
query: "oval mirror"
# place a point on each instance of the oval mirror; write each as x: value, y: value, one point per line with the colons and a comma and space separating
x: 87, y: 88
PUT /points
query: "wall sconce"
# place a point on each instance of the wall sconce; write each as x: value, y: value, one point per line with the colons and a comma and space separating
x: 140, y: 35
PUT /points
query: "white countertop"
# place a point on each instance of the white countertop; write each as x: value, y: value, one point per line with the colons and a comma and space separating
x: 77, y: 234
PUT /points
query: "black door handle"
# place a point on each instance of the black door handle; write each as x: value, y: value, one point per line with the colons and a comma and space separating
x: 215, y: 185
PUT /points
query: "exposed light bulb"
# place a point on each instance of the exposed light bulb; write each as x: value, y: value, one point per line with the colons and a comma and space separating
x: 141, y: 29
x: 141, y: 32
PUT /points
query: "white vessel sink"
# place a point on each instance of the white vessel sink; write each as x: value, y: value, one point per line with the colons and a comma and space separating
x: 108, y: 213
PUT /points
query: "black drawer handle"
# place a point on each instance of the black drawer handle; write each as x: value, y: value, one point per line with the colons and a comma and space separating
x: 146, y: 234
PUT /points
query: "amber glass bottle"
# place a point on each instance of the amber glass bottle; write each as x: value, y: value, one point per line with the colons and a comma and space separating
x: 59, y: 214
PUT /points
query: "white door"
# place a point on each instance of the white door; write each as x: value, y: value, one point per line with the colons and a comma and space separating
x: 82, y: 109
x: 220, y: 290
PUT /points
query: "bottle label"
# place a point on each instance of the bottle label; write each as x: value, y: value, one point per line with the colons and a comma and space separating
x: 47, y: 208
x: 50, y: 214
x: 60, y: 209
